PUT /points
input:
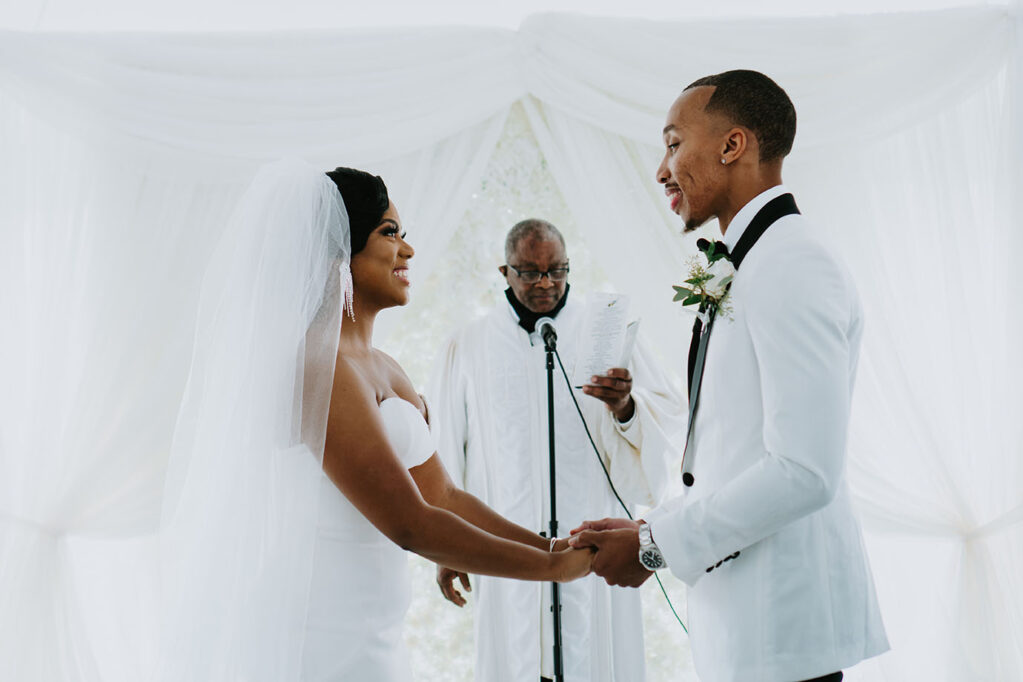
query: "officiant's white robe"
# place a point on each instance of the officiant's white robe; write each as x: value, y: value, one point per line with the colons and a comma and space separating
x: 488, y: 401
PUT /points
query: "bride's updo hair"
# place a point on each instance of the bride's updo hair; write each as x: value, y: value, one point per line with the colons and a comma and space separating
x: 366, y: 201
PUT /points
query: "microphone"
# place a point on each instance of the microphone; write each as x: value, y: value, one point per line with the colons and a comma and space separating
x: 545, y: 328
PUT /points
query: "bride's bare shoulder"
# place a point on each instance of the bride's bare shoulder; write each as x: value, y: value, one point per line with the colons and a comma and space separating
x: 351, y: 376
x: 387, y: 361
x: 398, y: 381
x: 396, y: 376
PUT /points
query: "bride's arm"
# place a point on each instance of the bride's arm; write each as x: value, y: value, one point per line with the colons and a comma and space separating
x: 360, y: 461
x: 439, y: 490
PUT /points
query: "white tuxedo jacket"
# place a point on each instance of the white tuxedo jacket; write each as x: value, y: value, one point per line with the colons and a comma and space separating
x: 769, y: 444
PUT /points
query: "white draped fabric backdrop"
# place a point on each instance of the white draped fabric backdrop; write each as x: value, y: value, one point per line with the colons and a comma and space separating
x: 122, y: 155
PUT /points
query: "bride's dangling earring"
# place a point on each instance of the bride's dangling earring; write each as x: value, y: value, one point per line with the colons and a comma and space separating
x: 347, y: 291
x: 349, y: 307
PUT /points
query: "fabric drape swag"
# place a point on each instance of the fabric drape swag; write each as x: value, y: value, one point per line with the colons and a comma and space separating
x: 124, y: 155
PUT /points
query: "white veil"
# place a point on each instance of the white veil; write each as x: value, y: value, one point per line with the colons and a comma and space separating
x: 240, y: 506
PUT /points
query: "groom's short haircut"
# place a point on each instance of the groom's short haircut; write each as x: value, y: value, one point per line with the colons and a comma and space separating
x: 754, y: 101
x: 530, y: 227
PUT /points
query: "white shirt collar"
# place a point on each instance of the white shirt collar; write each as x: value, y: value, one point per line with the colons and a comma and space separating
x: 745, y: 215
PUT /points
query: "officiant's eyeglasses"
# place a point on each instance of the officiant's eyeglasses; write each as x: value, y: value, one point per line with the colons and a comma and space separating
x: 534, y: 276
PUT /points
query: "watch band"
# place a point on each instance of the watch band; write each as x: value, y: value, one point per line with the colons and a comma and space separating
x: 649, y: 553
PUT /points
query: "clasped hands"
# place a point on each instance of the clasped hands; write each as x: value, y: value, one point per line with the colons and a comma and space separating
x: 614, y: 544
x: 615, y: 547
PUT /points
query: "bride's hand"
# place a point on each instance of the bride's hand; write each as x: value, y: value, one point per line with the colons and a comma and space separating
x: 560, y: 545
x: 446, y: 581
x: 572, y: 564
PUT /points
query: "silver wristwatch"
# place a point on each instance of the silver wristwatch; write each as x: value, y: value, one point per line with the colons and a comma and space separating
x: 649, y: 554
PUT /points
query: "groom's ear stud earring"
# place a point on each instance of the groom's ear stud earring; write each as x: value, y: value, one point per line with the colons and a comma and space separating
x: 722, y: 161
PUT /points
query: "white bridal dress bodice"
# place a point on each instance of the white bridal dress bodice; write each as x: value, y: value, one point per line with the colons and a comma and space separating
x: 360, y: 587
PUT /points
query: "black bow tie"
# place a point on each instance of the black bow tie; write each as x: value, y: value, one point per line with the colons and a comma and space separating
x: 705, y: 244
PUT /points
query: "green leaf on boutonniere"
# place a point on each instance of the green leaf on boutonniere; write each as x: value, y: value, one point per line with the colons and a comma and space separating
x: 680, y: 293
x: 697, y: 281
x: 692, y: 300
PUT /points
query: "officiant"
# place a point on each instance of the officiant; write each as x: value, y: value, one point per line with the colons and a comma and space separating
x: 488, y: 397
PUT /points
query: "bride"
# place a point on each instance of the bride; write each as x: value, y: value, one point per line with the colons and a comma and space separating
x: 295, y: 487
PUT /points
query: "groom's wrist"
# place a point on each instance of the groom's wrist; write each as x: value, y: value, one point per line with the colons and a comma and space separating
x: 650, y: 556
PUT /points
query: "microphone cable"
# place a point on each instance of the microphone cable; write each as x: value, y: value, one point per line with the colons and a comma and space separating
x: 607, y: 475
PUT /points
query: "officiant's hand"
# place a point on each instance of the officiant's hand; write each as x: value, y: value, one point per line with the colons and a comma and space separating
x: 446, y: 581
x: 616, y: 542
x: 615, y: 389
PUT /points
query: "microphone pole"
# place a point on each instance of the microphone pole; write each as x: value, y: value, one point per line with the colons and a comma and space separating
x: 545, y: 327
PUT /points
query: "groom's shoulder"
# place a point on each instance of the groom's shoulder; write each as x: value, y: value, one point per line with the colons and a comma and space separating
x: 793, y: 245
x: 794, y: 257
x: 794, y: 236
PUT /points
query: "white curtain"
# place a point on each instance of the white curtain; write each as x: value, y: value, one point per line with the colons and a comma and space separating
x: 907, y: 156
x: 98, y: 308
x: 936, y: 442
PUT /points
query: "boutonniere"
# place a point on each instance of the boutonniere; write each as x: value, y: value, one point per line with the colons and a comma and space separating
x: 709, y: 282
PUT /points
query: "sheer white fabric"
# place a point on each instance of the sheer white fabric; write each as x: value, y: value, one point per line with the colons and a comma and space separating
x: 940, y: 386
x: 96, y: 340
x: 621, y: 75
x: 229, y: 99
x: 124, y: 153
x: 240, y: 502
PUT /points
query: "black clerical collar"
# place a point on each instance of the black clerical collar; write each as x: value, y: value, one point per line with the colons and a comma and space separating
x: 527, y: 318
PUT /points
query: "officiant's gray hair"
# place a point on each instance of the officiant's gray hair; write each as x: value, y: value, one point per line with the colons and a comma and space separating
x: 529, y: 228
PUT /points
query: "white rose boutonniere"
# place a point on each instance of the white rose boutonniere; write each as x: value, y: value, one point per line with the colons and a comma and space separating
x: 722, y: 271
x: 708, y: 283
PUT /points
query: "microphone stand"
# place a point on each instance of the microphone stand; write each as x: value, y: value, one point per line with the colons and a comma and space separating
x: 559, y: 668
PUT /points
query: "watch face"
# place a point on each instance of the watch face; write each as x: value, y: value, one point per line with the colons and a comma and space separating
x: 652, y: 559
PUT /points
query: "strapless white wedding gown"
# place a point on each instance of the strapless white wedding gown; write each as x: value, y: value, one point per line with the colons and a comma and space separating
x: 360, y: 587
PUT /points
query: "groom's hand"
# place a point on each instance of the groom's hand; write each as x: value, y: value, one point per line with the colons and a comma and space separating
x: 606, y: 524
x: 614, y: 389
x: 616, y: 542
x: 446, y: 581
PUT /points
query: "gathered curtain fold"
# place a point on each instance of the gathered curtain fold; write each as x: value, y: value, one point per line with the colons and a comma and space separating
x: 223, y: 101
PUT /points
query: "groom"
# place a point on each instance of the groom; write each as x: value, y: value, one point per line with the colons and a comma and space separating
x: 764, y: 533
